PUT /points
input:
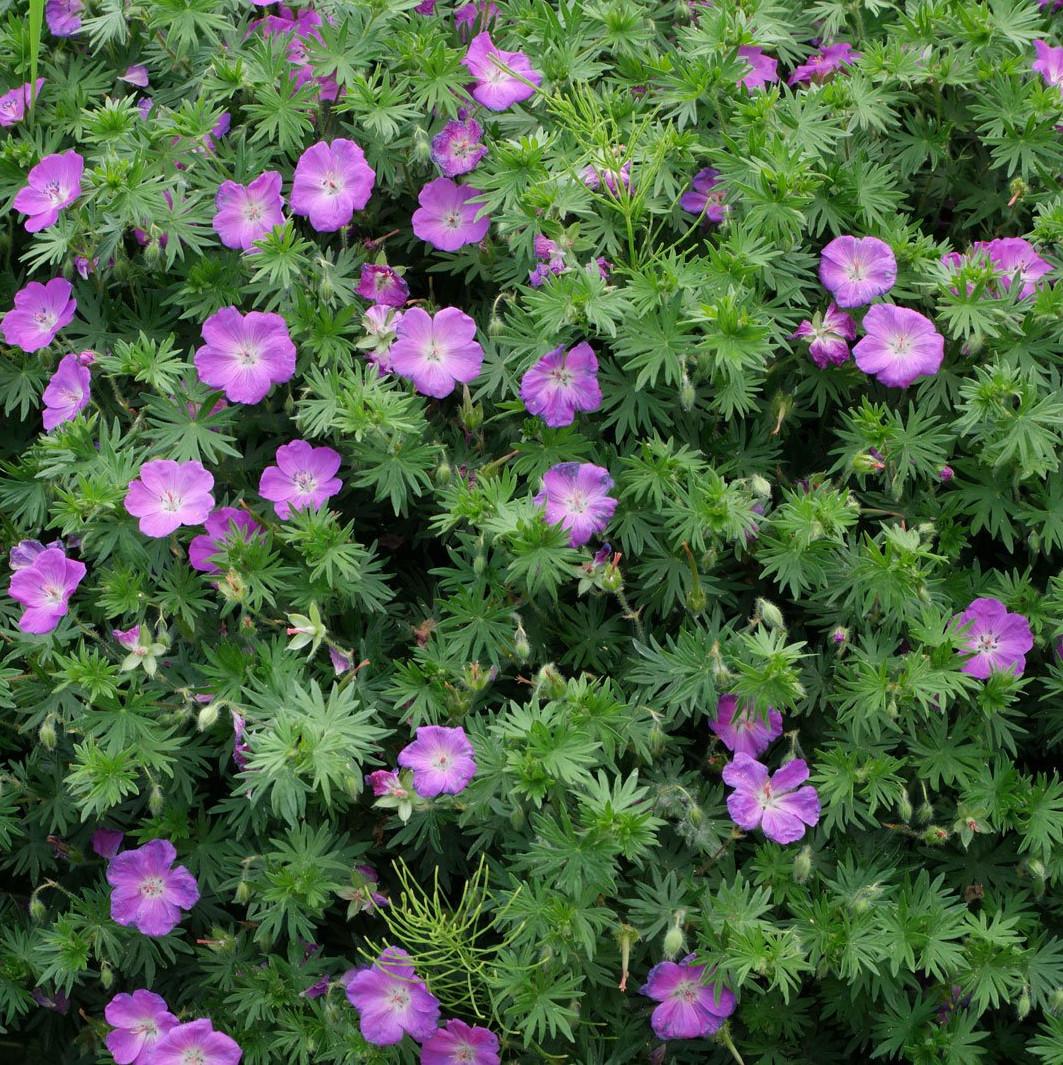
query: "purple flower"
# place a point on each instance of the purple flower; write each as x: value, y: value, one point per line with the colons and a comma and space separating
x: 442, y: 759
x: 1014, y: 256
x: 317, y: 988
x: 144, y: 106
x: 67, y: 392
x: 44, y: 588
x: 426, y: 7
x: 380, y: 324
x: 391, y: 1000
x: 218, y: 130
x: 386, y: 783
x: 224, y: 525
x: 856, y: 269
x: 168, y: 494
x: 241, y: 749
x: 829, y: 334
x: 196, y: 1043
x: 14, y: 102
x: 304, y: 476
x: 149, y: 893
x: 364, y: 896
x: 458, y: 1043
x: 247, y: 213
x: 340, y: 662
x: 475, y: 16
x: 576, y: 497
x: 775, y: 803
x: 457, y: 148
x: 245, y: 355
x: 137, y: 75
x: 381, y: 285
x: 821, y: 66
x: 744, y: 731
x: 688, y: 1008
x: 945, y: 474
x: 107, y: 841
x: 1049, y: 63
x: 54, y: 183
x: 63, y: 17
x: 331, y: 182
x: 39, y: 313
x: 25, y: 552
x: 58, y: 1001
x: 139, y: 1021
x: 446, y: 218
x: 763, y: 68
x: 705, y: 197
x: 436, y: 352
x: 496, y: 88
x: 127, y: 638
x: 594, y: 177
x: 995, y: 639
x: 561, y: 383
x: 901, y: 345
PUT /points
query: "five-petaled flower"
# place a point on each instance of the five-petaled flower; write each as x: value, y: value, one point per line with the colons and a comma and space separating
x: 40, y: 311
x: 742, y: 730
x: 775, y: 802
x: 148, y: 891
x: 391, y: 1000
x: 689, y: 1005
x: 43, y: 587
x: 224, y: 526
x: 442, y: 759
x: 166, y: 495
x: 304, y: 476
x: 196, y: 1043
x: 458, y: 1043
x: 502, y: 78
x: 54, y: 183
x: 562, y: 383
x: 246, y: 213
x: 67, y: 393
x: 993, y: 638
x: 332, y: 181
x: 900, y: 346
x: 576, y: 497
x: 436, y: 352
x: 446, y: 217
x: 138, y: 1021
x: 856, y: 269
x: 245, y: 355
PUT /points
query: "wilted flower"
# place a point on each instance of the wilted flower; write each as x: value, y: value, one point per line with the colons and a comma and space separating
x: 856, y: 269
x: 247, y: 213
x: 828, y: 335
x: 457, y: 148
x: 54, y: 183
x: 304, y: 476
x: 823, y: 64
x: 362, y: 896
x: 381, y: 327
x: 561, y: 383
x: 901, y: 345
x: 446, y: 218
x: 245, y: 355
x: 40, y: 311
x: 613, y: 179
x: 44, y: 588
x: 67, y: 392
x: 775, y: 803
x: 763, y: 68
x: 458, y: 1043
x: 223, y: 526
x: 107, y: 841
x: 705, y: 196
x: 442, y: 759
x: 196, y: 1043
x: 576, y: 497
x: 381, y: 285
x: 436, y: 352
x: 475, y: 16
x: 331, y: 182
x: 14, y: 102
x: 995, y: 639
x: 139, y: 1021
x: 137, y: 75
x: 149, y: 893
x: 167, y: 494
x: 340, y: 662
x: 744, y: 731
x: 496, y: 88
x: 391, y: 1000
x: 63, y: 17
x: 688, y: 1007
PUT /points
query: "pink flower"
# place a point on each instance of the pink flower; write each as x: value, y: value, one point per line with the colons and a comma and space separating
x: 196, y: 1043
x: 821, y: 66
x: 44, y: 588
x: 1049, y: 63
x: 137, y: 75
x: 436, y: 352
x: 745, y: 731
x: 763, y: 68
x: 386, y: 782
x: 139, y: 1021
x: 14, y: 102
x: 39, y: 313
x: 67, y: 393
x: 595, y: 176
x: 303, y: 477
x: 331, y: 182
x: 901, y: 345
x: 63, y: 17
x: 689, y: 1009
x: 1014, y: 256
x: 829, y: 334
x: 458, y: 1043
x: 561, y: 383
x: 168, y: 494
x: 224, y: 526
x: 442, y: 760
x: 447, y: 218
x: 54, y: 183
x: 340, y: 662
x: 576, y: 497
x: 391, y: 1000
x: 457, y: 149
x: 996, y: 639
x: 856, y: 269
x: 705, y: 196
x: 381, y: 285
x: 245, y: 355
x: 775, y: 803
x: 247, y: 213
x: 148, y: 893
x: 107, y: 841
x: 475, y: 16
x: 502, y: 78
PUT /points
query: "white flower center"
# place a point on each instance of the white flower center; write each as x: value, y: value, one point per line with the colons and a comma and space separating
x: 577, y: 502
x: 398, y: 998
x: 452, y: 219
x: 45, y: 320
x: 253, y: 211
x: 55, y: 192
x: 53, y: 594
x: 193, y: 1056
x: 247, y: 355
x: 331, y: 183
x: 152, y: 887
x: 986, y: 643
x: 562, y: 377
x: 170, y: 502
x: 305, y: 483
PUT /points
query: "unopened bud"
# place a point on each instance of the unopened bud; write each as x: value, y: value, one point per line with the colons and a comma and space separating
x: 495, y: 326
x: 443, y: 473
x: 156, y: 800
x: 803, y: 864
x: 867, y: 463
x: 106, y: 976
x: 38, y: 910
x: 471, y: 414
x: 521, y: 643
x: 1055, y: 1002
x: 770, y: 614
x: 207, y: 717
x: 840, y: 635
x: 697, y: 600
x: 243, y: 892
x: 945, y: 474
x: 688, y: 395
x: 925, y: 811
x: 761, y: 486
x: 1022, y: 1007
x: 549, y: 683
x: 479, y: 563
x: 904, y: 807
x: 935, y: 835
x: 46, y: 733
x: 674, y: 940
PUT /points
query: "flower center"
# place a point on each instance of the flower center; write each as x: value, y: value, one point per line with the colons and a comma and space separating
x: 170, y: 502
x: 53, y: 594
x: 986, y: 643
x: 686, y: 992
x: 147, y: 1028
x: 464, y: 1055
x: 577, y: 502
x: 561, y: 377
x: 902, y: 344
x: 152, y: 887
x: 253, y: 212
x: 856, y: 270
x: 441, y: 761
x: 331, y: 184
x: 247, y: 356
x: 54, y: 191
x: 305, y: 483
x: 45, y: 319
x: 433, y: 353
x: 452, y: 219
x: 193, y: 1056
x: 399, y: 998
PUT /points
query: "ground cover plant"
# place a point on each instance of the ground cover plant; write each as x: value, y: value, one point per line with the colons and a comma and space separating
x: 532, y: 532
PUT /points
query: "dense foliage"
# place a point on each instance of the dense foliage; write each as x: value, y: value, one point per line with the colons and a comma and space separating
x: 804, y: 534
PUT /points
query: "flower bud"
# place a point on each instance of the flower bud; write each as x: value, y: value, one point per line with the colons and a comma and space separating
x: 207, y: 717
x: 243, y: 892
x: 945, y: 474
x: 46, y: 733
x: 38, y: 911
x: 1055, y: 1002
x: 761, y: 486
x: 674, y: 940
x: 495, y: 326
x: 840, y: 635
x: 549, y: 683
x: 521, y: 643
x: 688, y: 395
x: 770, y: 614
x: 935, y: 835
x: 697, y: 600
x: 156, y: 800
x: 1022, y: 1007
x: 867, y: 463
x: 106, y: 976
x: 479, y: 563
x: 471, y: 414
x: 904, y: 807
x: 925, y: 811
x: 803, y: 865
x: 443, y: 473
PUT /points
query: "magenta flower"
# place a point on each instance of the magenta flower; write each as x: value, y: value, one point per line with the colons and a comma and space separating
x: 1013, y: 256
x: 67, y: 392
x: 744, y: 731
x: 137, y: 75
x: 763, y: 68
x: 381, y: 285
x: 241, y: 748
x: 426, y: 7
x: 386, y: 783
x: 14, y: 102
x: 54, y: 183
x: 447, y: 218
x: 901, y: 345
x: 829, y: 334
x: 44, y: 588
x: 107, y: 841
x: 168, y: 494
x: 247, y: 213
x: 856, y: 269
x: 224, y: 525
x: 502, y: 78
x: 775, y: 803
x: 705, y: 196
x: 594, y: 177
x: 380, y: 324
x: 363, y: 896
x: 139, y: 1021
x: 688, y: 1008
x: 245, y: 355
x: 576, y: 497
x: 458, y: 1043
x: 436, y: 352
x: 149, y: 893
x: 196, y: 1043
x: 39, y: 313
x: 25, y: 552
x: 63, y: 17
x: 561, y: 383
x: 340, y: 662
x: 995, y: 639
x: 1049, y: 63
x: 475, y: 16
x: 442, y: 759
x: 391, y: 1000
x: 457, y: 148
x: 304, y: 476
x: 823, y: 64
x: 331, y: 182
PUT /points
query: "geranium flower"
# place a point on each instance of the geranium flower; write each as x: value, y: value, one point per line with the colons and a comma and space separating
x: 436, y: 352
x: 457, y: 148
x: 829, y: 334
x: 442, y: 760
x: 458, y: 1043
x: 856, y: 269
x: 386, y: 783
x: 167, y: 494
x: 44, y: 587
x: 149, y: 893
x: 763, y: 68
x: 14, y: 102
x: 137, y: 75
x: 901, y: 345
x: 223, y: 526
x: 744, y: 731
x: 139, y: 1021
x: 823, y: 64
x: 576, y: 497
x: 705, y: 196
x: 391, y: 1000
x: 379, y: 284
x: 688, y: 1008
x: 1049, y: 63
x: 196, y: 1043
x: 106, y: 842
x: 446, y: 218
x: 245, y: 355
x: 995, y: 639
x: 54, y: 183
x: 247, y: 213
x: 775, y: 803
x: 1014, y: 256
x: 381, y: 326
x: 63, y: 17
x: 40, y: 311
x: 496, y: 88
x: 331, y: 182
x: 561, y: 383
x: 303, y: 477
x: 475, y: 16
x: 67, y: 392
